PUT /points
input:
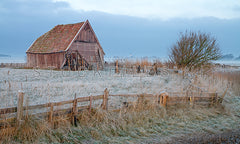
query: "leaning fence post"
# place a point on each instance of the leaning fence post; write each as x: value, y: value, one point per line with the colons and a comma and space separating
x: 105, y: 100
x: 213, y: 98
x: 74, y: 111
x: 20, y: 107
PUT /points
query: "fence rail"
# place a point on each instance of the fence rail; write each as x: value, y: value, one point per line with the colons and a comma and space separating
x: 164, y: 99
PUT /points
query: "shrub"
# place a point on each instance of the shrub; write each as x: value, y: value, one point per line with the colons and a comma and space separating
x: 194, y: 50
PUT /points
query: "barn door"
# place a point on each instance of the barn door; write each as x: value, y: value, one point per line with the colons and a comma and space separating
x: 74, y: 61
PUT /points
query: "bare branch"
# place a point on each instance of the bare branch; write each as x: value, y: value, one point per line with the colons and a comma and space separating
x: 193, y: 50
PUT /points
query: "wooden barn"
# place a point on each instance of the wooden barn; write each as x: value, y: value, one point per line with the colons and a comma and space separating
x: 71, y: 46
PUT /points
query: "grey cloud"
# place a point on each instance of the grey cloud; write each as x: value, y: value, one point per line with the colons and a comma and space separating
x: 32, y: 7
x: 119, y: 35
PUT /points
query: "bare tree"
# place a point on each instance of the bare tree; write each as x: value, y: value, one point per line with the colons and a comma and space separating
x: 193, y: 50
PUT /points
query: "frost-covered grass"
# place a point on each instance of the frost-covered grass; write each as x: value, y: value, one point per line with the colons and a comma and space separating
x: 42, y: 86
x: 144, y: 124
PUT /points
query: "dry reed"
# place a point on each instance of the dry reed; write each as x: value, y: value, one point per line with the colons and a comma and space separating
x: 233, y: 78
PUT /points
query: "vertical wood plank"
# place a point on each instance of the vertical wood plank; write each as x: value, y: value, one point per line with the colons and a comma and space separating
x: 105, y: 100
x: 157, y: 100
x: 191, y: 99
x: 50, y: 115
x: 90, y: 105
x: 213, y: 98
x: 116, y: 69
x: 134, y: 69
x: 163, y: 99
x: 145, y: 69
x: 20, y: 107
x: 74, y: 111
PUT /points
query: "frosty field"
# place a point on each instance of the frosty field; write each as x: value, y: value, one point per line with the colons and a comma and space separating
x: 143, y: 125
x: 42, y: 86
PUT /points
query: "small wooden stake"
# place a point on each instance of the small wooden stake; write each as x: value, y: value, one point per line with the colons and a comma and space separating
x: 105, y: 100
x: 145, y: 69
x: 134, y: 69
x: 74, y: 111
x: 50, y: 115
x: 220, y: 99
x: 214, y: 98
x: 140, y: 99
x: 116, y: 70
x: 157, y: 99
x: 191, y: 99
x: 20, y: 107
x: 90, y: 105
x: 163, y: 99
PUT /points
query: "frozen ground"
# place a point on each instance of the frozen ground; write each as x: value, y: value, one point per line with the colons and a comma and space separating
x: 177, y: 124
x: 42, y: 86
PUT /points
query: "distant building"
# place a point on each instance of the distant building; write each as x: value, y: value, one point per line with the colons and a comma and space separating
x: 67, y: 46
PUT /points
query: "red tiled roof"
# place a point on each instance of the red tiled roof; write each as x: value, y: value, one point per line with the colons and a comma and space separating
x: 55, y: 40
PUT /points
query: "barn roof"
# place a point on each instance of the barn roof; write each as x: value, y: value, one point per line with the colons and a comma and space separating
x: 55, y: 40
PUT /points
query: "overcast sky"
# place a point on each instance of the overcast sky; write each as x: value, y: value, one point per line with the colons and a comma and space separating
x: 163, y: 9
x: 124, y: 27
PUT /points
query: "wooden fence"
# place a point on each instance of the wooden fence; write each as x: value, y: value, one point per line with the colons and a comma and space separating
x: 164, y: 99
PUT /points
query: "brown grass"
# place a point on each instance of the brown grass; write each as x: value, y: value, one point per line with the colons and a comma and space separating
x: 135, y: 123
x: 29, y: 130
x: 131, y: 124
x: 233, y: 78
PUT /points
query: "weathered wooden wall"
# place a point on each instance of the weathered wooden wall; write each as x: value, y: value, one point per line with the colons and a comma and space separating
x: 86, y: 44
x: 45, y: 60
x: 86, y: 35
x: 88, y: 50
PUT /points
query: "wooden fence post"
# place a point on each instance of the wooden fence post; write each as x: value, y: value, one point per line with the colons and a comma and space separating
x: 157, y: 99
x: 134, y: 69
x: 116, y: 69
x: 163, y: 99
x: 20, y: 107
x: 90, y: 105
x: 220, y: 99
x: 50, y: 115
x: 145, y: 69
x: 213, y: 98
x: 140, y: 99
x: 74, y: 111
x: 105, y: 100
x: 191, y: 99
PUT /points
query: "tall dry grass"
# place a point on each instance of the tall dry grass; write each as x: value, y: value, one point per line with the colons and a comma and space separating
x: 233, y: 78
x: 29, y: 131
x: 129, y: 63
x: 141, y: 122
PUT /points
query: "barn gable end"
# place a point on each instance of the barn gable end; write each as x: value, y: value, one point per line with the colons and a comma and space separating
x: 87, y: 44
x: 72, y: 44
